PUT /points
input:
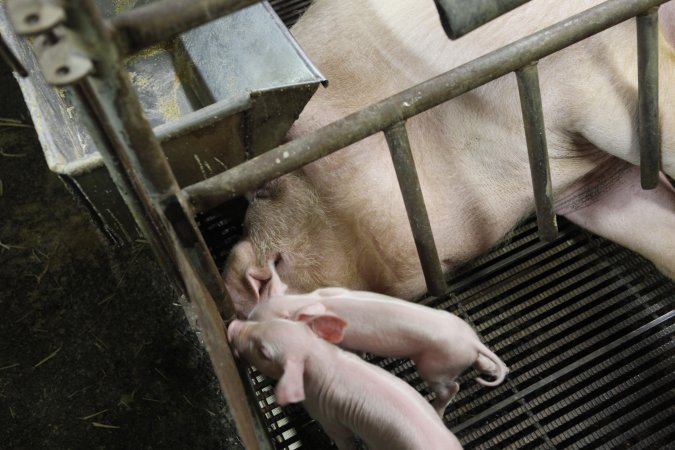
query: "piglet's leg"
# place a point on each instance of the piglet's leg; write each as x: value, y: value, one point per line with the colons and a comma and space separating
x: 342, y: 436
x: 641, y: 220
x: 445, y: 391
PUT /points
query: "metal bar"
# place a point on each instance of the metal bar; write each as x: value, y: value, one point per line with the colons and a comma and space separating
x: 11, y: 59
x: 459, y: 17
x: 398, y: 108
x: 535, y: 135
x: 134, y: 155
x: 404, y: 164
x: 158, y: 21
x: 648, y: 97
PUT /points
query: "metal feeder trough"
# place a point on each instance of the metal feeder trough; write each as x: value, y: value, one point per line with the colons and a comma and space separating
x: 215, y: 96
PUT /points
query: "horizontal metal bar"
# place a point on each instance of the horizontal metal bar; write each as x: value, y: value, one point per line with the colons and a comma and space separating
x: 535, y: 135
x: 648, y: 98
x: 155, y: 22
x: 203, y: 117
x: 458, y: 17
x: 398, y: 108
x: 404, y: 164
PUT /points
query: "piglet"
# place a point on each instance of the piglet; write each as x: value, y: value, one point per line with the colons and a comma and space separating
x: 348, y: 396
x: 441, y: 344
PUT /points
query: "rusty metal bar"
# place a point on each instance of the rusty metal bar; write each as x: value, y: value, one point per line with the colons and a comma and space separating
x: 398, y: 108
x: 459, y: 17
x: 135, y: 159
x: 648, y: 97
x: 535, y: 135
x: 408, y: 181
x: 153, y: 23
x: 11, y: 59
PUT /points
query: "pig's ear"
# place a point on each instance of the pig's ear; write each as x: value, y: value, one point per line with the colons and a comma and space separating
x: 290, y: 388
x: 327, y: 326
x: 307, y: 312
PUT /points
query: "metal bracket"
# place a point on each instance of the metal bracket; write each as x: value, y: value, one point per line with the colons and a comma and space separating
x: 62, y: 60
x: 31, y: 17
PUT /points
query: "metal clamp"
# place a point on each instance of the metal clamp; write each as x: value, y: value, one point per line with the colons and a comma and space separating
x: 61, y: 59
x: 31, y: 17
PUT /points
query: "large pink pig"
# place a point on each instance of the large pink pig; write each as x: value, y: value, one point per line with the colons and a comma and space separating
x: 348, y: 396
x: 340, y: 221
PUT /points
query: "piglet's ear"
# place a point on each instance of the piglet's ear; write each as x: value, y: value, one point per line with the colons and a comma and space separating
x: 290, y: 388
x: 328, y: 327
x: 307, y: 312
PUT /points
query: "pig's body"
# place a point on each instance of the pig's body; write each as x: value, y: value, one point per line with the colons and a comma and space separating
x: 441, y: 344
x: 345, y: 394
x: 340, y: 221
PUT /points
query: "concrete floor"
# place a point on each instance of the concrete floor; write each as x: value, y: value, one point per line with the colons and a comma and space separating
x: 95, y: 352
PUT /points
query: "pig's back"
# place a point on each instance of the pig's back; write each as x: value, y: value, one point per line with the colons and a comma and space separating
x: 378, y: 407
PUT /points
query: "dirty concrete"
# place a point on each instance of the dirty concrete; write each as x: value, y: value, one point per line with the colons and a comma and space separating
x: 95, y: 350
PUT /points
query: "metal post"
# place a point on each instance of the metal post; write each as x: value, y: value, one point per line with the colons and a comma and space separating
x: 535, y: 135
x: 648, y: 97
x: 404, y: 164
x: 402, y: 106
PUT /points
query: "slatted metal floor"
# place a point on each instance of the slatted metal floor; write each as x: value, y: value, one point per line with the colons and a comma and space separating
x: 586, y: 328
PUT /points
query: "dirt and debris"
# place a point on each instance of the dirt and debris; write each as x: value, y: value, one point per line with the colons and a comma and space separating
x: 95, y: 350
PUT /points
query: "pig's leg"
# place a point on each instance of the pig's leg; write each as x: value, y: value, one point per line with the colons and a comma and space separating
x: 641, y: 220
x: 342, y: 436
x: 445, y: 391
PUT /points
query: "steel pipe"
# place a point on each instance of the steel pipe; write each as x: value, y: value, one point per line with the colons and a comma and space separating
x: 459, y: 17
x: 398, y: 108
x: 408, y: 181
x: 648, y: 97
x: 535, y: 135
x: 155, y: 22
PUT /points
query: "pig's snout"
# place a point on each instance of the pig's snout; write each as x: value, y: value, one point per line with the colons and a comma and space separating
x: 246, y: 282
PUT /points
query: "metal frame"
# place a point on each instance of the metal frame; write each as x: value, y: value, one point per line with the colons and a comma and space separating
x: 166, y: 213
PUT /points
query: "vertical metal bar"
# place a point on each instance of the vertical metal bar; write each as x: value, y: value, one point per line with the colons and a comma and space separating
x: 134, y: 157
x: 648, y: 98
x: 535, y: 134
x: 399, y: 146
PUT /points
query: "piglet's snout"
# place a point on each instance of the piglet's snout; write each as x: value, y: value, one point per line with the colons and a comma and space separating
x: 233, y: 331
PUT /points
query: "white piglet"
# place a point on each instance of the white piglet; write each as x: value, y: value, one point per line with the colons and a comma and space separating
x: 441, y: 344
x: 348, y: 396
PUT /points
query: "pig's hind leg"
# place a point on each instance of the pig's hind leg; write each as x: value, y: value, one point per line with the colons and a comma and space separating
x: 641, y: 220
x: 445, y: 391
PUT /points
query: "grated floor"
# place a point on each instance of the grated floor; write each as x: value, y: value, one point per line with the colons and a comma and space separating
x: 586, y: 328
